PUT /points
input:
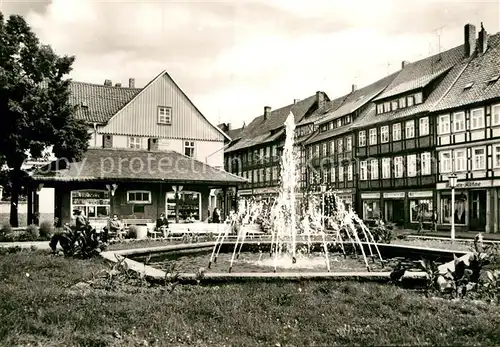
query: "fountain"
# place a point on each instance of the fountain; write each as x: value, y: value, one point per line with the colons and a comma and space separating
x: 289, y: 231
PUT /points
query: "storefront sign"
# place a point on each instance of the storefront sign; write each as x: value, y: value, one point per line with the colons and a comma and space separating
x: 343, y: 191
x: 265, y: 191
x: 394, y: 195
x: 466, y: 184
x: 370, y: 195
x: 425, y: 194
x: 245, y: 192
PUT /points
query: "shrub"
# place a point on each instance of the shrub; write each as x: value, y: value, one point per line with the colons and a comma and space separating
x: 46, y: 229
x: 6, y: 229
x: 132, y: 232
x: 32, y: 233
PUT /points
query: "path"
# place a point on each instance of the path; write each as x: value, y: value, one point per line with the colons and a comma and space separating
x: 26, y: 244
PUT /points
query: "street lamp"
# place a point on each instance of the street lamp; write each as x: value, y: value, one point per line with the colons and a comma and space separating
x: 453, y: 183
x: 323, y: 190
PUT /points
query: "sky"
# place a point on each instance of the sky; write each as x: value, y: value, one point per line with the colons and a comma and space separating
x: 232, y: 58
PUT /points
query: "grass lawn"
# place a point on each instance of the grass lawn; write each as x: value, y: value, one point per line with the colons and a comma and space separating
x: 43, y: 309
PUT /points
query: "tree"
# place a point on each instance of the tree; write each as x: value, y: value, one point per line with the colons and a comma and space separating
x: 35, y: 112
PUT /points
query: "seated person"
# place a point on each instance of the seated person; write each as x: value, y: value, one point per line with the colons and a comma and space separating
x: 115, y: 227
x: 162, y: 224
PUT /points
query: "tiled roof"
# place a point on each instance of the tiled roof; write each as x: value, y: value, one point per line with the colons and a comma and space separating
x: 234, y: 134
x: 101, y: 164
x: 320, y: 136
x: 480, y: 75
x: 421, y: 73
x: 369, y: 116
x: 329, y: 106
x: 98, y: 103
x: 358, y: 98
x: 259, y: 130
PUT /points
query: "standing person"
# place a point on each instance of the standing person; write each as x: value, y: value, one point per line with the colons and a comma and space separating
x: 434, y: 221
x: 216, y: 216
x: 420, y: 217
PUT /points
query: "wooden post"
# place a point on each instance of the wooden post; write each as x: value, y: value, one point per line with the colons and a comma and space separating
x: 36, y: 212
x: 30, y: 205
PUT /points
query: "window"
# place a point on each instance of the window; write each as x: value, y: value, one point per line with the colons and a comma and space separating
x: 189, y: 148
x: 410, y: 129
x: 398, y: 167
x: 394, y: 105
x: 411, y: 165
x: 134, y: 142
x: 363, y: 170
x: 496, y: 156
x: 341, y: 173
x: 138, y: 197
x: 348, y: 144
x: 384, y: 134
x: 347, y: 119
x: 423, y: 206
x: 402, y: 102
x: 445, y: 162
x: 374, y: 169
x: 444, y: 124
x: 387, y: 106
x: 477, y: 118
x: 92, y: 203
x: 380, y: 108
x: 386, y: 168
x: 164, y: 115
x: 371, y: 209
x: 418, y: 98
x: 425, y: 163
x: 349, y: 172
x: 340, y: 146
x: 495, y: 114
x: 396, y: 132
x: 460, y: 160
x: 479, y: 158
x: 339, y: 123
x: 362, y: 138
x: 324, y: 149
x: 332, y: 175
x: 275, y: 151
x: 274, y: 172
x: 458, y: 122
x: 332, y: 147
x: 325, y: 175
x: 316, y: 151
x: 330, y: 126
x: 460, y: 212
x: 373, y: 136
x: 424, y: 126
x: 410, y: 101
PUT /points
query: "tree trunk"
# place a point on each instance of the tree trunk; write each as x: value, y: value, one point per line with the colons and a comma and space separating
x: 14, y: 199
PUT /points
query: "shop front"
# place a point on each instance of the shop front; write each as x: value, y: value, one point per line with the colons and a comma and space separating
x: 476, y: 205
x: 370, y: 205
x: 394, y: 207
x: 346, y: 196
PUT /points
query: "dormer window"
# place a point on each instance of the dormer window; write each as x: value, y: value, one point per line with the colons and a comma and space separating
x: 387, y: 107
x: 380, y: 108
x: 339, y: 123
x: 402, y: 102
x: 348, y: 119
x: 468, y: 85
x: 411, y: 101
x: 165, y: 115
x: 330, y: 126
x: 418, y: 98
x: 394, y: 105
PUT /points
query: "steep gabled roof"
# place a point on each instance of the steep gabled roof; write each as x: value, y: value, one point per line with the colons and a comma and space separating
x: 98, y: 103
x: 329, y: 106
x: 369, y: 116
x: 262, y: 130
x: 359, y: 98
x: 234, y: 134
x: 480, y: 81
x: 420, y: 73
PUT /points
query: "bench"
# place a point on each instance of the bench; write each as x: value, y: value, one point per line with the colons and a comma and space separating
x: 148, y: 223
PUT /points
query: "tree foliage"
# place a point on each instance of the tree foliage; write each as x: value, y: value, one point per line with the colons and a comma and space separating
x: 34, y: 102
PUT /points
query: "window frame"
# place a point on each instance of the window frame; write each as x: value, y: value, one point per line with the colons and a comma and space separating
x: 396, y: 126
x: 139, y: 202
x: 474, y: 168
x: 384, y: 134
x: 398, y: 163
x: 168, y: 117
x: 373, y: 135
x: 363, y: 170
x: 448, y: 123
x: 374, y: 169
x: 362, y: 143
x: 442, y: 161
x: 493, y: 114
x: 412, y: 127
x: 411, y: 161
x: 482, y: 113
x: 137, y: 140
x: 456, y: 159
x: 457, y: 129
x: 386, y: 168
x: 348, y: 144
x: 425, y: 161
x: 192, y: 145
x: 423, y: 124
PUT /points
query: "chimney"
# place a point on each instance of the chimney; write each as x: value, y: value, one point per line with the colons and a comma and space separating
x: 108, y: 83
x: 118, y: 85
x: 228, y: 126
x: 483, y: 40
x: 108, y: 141
x: 320, y: 98
x: 469, y: 40
x: 131, y: 82
x: 404, y: 63
x: 354, y: 87
x: 295, y: 101
x: 152, y: 144
x: 267, y: 112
